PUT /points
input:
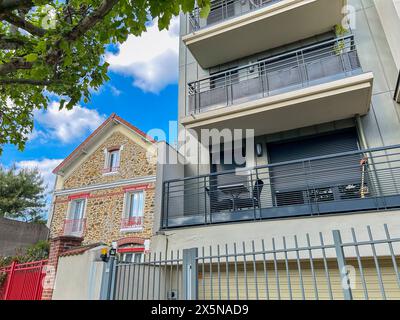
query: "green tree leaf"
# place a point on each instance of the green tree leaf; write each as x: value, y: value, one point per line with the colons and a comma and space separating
x: 65, y: 58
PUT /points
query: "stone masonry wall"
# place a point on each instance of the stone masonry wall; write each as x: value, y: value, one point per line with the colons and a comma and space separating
x: 104, y: 213
x: 133, y: 164
x: 104, y: 208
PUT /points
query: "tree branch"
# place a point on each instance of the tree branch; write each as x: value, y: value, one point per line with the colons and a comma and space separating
x: 9, y: 5
x: 23, y: 24
x: 28, y: 81
x: 91, y: 20
x: 7, y: 43
x: 14, y: 65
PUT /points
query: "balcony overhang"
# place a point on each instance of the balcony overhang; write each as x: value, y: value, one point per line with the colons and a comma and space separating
x: 313, y: 105
x: 285, y: 22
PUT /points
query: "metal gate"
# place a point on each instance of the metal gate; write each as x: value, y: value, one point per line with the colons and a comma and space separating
x: 299, y: 268
x: 23, y: 281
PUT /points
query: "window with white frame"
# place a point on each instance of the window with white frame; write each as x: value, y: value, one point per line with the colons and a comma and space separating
x: 112, y: 160
x: 75, y: 223
x: 134, y: 210
x: 135, y: 257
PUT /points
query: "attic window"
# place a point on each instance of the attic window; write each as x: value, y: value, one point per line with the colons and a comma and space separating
x: 112, y: 162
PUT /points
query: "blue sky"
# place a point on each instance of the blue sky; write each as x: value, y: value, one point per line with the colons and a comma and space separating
x: 143, y: 90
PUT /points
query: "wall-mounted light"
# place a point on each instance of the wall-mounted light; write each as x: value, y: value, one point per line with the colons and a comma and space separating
x: 259, y: 149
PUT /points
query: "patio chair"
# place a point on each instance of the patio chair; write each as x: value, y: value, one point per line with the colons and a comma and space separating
x: 255, y: 200
x: 217, y: 205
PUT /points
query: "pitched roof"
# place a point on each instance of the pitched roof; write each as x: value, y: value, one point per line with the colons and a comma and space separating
x: 112, y: 117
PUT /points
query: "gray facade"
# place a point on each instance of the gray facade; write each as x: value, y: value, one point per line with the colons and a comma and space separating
x: 377, y: 126
x: 380, y: 126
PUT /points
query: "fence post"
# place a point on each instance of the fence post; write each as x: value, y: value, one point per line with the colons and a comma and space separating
x: 107, y: 280
x: 9, y: 280
x: 113, y: 276
x: 190, y: 274
x: 341, y: 260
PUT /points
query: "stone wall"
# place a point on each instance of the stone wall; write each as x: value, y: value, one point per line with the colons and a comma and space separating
x: 104, y: 208
x: 104, y: 213
x: 16, y: 235
x: 133, y: 164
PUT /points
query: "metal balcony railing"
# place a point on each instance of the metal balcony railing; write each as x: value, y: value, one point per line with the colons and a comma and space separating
x: 323, y: 62
x: 132, y: 223
x: 347, y: 182
x: 74, y: 227
x: 222, y: 10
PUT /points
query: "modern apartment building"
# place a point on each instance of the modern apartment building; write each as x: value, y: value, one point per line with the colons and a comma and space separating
x: 318, y: 82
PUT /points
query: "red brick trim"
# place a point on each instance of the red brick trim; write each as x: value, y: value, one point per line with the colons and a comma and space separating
x: 148, y: 186
x: 138, y: 187
x: 130, y: 240
x: 79, y: 196
x: 131, y: 250
x: 113, y: 148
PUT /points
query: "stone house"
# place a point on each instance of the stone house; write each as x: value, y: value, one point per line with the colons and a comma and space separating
x: 105, y: 192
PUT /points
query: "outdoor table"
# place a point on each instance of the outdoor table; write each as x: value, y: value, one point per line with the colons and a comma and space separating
x: 234, y: 190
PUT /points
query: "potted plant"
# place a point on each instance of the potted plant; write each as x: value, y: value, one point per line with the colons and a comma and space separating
x: 340, y: 31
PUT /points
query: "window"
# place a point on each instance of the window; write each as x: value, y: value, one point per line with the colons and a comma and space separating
x: 133, y: 257
x: 77, y: 207
x: 112, y: 160
x: 75, y: 223
x: 134, y: 210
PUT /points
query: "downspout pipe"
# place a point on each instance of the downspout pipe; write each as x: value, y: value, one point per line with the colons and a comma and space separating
x: 397, y: 90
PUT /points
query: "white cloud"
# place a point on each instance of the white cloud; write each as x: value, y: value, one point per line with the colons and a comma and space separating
x: 115, y: 91
x: 151, y: 60
x: 65, y: 125
x: 44, y: 166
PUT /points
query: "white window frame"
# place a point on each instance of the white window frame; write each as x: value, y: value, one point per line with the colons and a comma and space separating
x: 126, y: 208
x: 134, y: 254
x: 108, y: 170
x: 71, y: 214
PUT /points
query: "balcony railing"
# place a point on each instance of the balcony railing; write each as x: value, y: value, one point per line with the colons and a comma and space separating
x: 347, y: 182
x: 323, y: 62
x: 132, y: 223
x: 74, y: 227
x: 222, y: 10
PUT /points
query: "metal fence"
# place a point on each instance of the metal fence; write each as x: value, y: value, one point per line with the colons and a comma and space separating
x: 23, y: 281
x: 222, y: 10
x: 309, y: 267
x: 322, y: 62
x: 346, y: 182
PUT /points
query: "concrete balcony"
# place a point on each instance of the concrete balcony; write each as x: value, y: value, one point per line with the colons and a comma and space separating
x: 237, y: 28
x: 317, y: 84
